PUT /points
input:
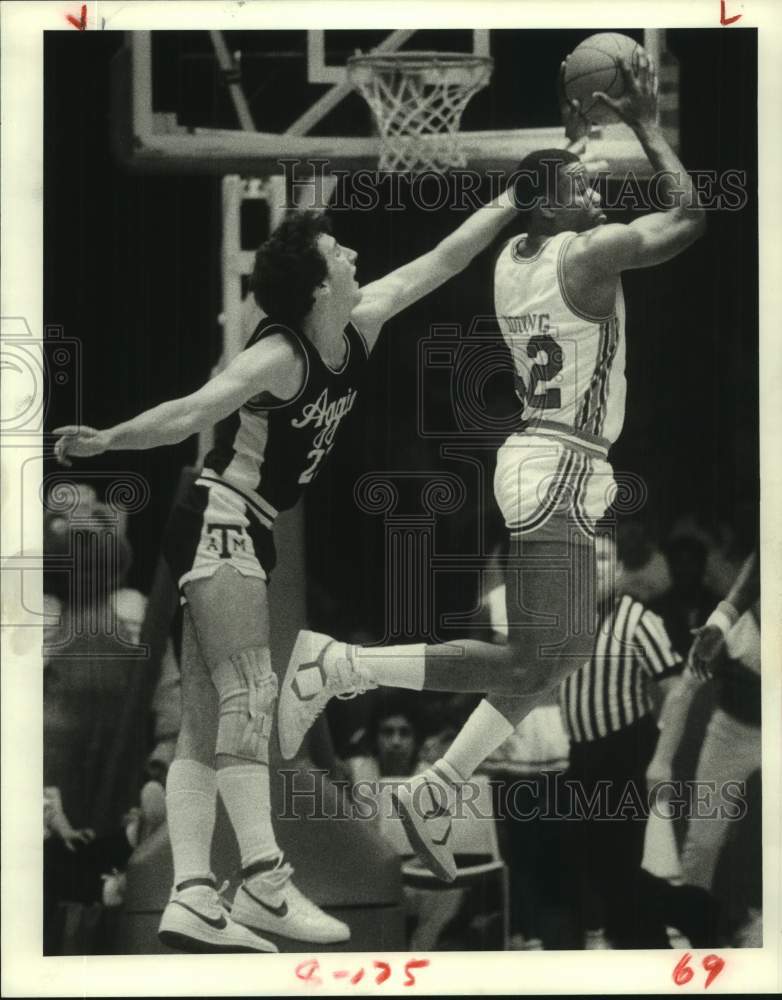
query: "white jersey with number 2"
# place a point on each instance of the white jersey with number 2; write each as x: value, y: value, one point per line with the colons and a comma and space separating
x: 569, y: 366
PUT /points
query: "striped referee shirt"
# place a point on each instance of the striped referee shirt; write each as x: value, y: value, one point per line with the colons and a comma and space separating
x: 613, y: 688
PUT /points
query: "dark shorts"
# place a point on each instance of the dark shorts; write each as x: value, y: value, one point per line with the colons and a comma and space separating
x: 213, y: 526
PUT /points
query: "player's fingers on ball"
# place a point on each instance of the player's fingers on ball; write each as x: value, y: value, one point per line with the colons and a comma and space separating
x: 598, y: 95
x: 633, y: 77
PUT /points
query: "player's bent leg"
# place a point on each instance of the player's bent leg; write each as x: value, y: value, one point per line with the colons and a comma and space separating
x: 551, y: 616
x: 238, y: 656
x: 321, y: 668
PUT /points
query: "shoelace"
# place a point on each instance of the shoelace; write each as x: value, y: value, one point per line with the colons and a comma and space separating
x: 278, y: 877
x: 211, y: 900
x: 346, y: 675
x: 223, y: 901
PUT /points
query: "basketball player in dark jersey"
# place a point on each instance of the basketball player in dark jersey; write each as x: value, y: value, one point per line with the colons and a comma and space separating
x: 280, y: 404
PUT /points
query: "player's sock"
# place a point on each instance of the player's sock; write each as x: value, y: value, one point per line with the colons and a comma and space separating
x: 244, y: 789
x: 389, y: 666
x: 191, y: 805
x: 482, y: 733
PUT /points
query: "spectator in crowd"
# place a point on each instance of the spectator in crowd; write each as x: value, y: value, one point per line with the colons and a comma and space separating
x: 80, y: 867
x: 727, y: 649
x: 645, y: 573
x: 391, y: 742
x: 688, y: 600
x: 607, y: 707
x: 91, y: 623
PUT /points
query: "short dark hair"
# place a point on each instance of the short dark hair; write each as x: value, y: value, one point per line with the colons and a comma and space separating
x: 289, y: 267
x: 389, y: 704
x: 537, y: 175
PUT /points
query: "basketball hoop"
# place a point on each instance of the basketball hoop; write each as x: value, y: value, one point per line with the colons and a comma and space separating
x: 417, y: 99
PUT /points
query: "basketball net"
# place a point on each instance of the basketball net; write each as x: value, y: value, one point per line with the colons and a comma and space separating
x: 417, y: 100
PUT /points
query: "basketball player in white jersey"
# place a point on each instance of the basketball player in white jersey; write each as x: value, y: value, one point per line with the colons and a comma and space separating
x: 280, y: 404
x: 558, y: 297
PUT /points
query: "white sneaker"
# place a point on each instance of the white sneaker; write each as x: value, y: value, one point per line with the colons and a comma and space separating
x: 308, y: 686
x: 425, y: 805
x: 271, y: 902
x: 197, y: 919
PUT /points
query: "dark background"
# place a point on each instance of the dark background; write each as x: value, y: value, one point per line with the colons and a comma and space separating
x: 132, y: 269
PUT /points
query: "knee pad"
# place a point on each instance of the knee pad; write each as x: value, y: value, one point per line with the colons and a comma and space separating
x: 248, y: 690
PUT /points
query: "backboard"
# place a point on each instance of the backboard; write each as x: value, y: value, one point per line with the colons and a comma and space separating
x: 242, y: 101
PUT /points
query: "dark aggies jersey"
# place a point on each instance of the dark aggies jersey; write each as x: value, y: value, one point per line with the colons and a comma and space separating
x: 268, y: 450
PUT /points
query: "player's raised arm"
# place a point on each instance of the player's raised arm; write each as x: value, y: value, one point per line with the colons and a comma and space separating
x: 271, y: 365
x: 657, y: 237
x: 388, y: 296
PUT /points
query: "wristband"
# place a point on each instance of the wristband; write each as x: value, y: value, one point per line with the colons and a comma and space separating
x: 724, y: 616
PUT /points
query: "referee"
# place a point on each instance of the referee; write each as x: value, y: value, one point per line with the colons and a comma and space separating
x: 608, y: 711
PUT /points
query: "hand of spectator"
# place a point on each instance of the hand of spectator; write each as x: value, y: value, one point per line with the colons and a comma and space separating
x: 707, y: 645
x: 73, y: 838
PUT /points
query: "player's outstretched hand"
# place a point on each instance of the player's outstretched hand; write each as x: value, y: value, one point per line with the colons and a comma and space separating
x: 638, y: 104
x: 79, y: 442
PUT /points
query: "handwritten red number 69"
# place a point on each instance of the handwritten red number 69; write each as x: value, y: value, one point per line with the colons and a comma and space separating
x: 712, y: 964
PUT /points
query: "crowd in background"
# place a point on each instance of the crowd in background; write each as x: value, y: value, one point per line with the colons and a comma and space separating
x: 640, y: 881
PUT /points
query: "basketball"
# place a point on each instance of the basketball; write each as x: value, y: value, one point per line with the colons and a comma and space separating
x: 594, y: 65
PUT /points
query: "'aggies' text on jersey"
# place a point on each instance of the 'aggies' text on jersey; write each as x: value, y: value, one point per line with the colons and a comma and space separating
x: 269, y: 449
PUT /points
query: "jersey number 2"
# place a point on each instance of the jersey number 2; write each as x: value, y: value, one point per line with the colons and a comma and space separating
x: 316, y: 455
x: 549, y: 399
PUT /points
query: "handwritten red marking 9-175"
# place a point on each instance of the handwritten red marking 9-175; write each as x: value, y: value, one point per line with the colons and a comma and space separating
x: 309, y: 971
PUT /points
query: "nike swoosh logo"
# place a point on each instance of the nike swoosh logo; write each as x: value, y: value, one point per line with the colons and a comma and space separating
x: 440, y: 841
x: 437, y: 808
x: 278, y: 911
x: 219, y: 923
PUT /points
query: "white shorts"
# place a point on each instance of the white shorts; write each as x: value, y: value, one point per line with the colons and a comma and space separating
x: 542, y: 480
x: 213, y: 526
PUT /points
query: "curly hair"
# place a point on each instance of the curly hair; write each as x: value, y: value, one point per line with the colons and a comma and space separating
x: 289, y: 267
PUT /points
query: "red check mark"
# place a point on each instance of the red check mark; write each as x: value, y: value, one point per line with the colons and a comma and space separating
x: 81, y: 24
